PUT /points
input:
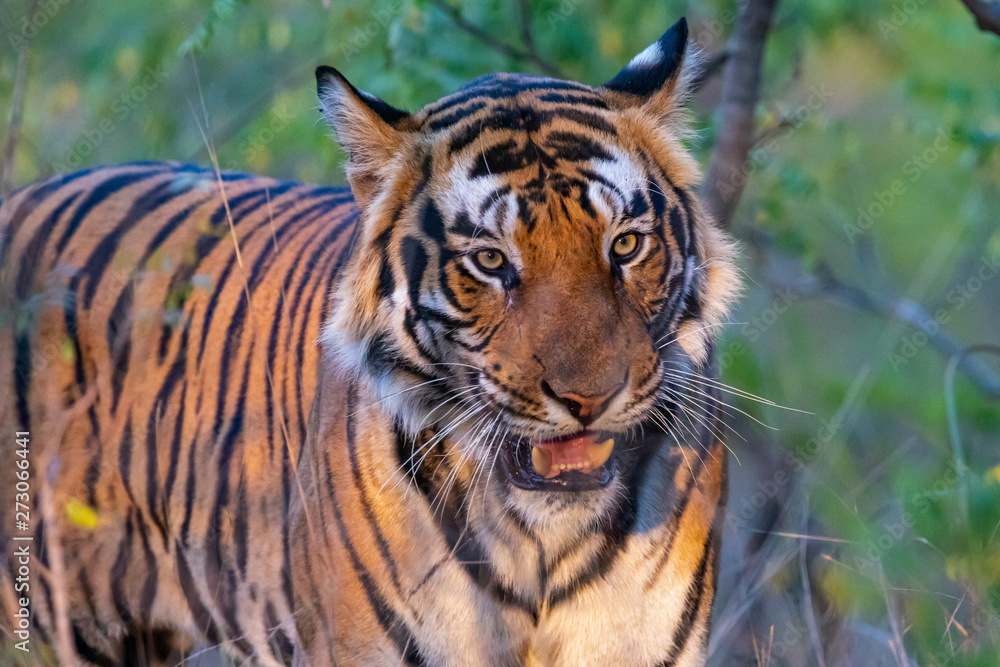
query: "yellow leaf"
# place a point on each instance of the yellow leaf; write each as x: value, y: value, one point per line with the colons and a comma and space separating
x: 610, y: 42
x: 82, y: 515
x: 993, y: 474
x: 67, y: 96
x: 127, y: 62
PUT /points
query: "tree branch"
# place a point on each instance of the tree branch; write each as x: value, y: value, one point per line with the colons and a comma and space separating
x: 824, y: 283
x: 895, y: 307
x: 740, y: 89
x: 16, y: 113
x: 529, y: 54
x: 986, y: 13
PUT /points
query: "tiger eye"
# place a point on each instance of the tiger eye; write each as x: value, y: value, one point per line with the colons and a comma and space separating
x: 625, y: 245
x: 490, y: 260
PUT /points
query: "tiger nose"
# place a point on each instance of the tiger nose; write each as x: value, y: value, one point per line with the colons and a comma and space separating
x: 584, y: 408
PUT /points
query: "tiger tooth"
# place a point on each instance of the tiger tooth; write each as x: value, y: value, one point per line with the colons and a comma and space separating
x: 541, y: 460
x: 597, y: 455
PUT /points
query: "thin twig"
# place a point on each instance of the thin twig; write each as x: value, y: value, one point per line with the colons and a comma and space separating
x: 527, y: 55
x: 807, y: 602
x: 57, y: 420
x: 986, y: 13
x: 527, y: 36
x: 711, y: 65
x: 895, y: 307
x: 824, y: 282
x: 784, y: 124
x: 16, y: 113
x: 740, y: 90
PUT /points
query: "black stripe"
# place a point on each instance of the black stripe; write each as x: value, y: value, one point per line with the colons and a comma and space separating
x: 573, y: 147
x: 241, y: 529
x: 31, y: 257
x: 415, y: 260
x: 281, y: 645
x: 202, y: 617
x: 175, y: 452
x: 140, y: 210
x: 161, y: 403
x: 125, y: 458
x: 213, y: 551
x: 35, y: 195
x: 22, y: 378
x: 367, y: 506
x: 574, y: 98
x: 96, y: 196
x: 89, y: 653
x: 677, y: 230
x: 119, y: 336
x: 189, y: 488
x: 596, y: 568
x: 692, y: 603
x: 93, y: 474
x: 493, y: 87
x: 152, y: 570
x: 680, y: 507
x: 120, y: 570
x: 286, y: 541
x: 448, y: 120
x: 255, y: 275
x: 320, y: 286
x: 391, y: 622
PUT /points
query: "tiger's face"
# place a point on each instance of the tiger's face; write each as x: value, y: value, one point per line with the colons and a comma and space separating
x: 532, y: 271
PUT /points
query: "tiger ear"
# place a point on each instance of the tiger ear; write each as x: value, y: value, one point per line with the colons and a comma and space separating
x: 655, y: 78
x: 370, y: 130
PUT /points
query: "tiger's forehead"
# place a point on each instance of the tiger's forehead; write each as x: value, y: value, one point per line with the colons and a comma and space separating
x: 508, y: 147
x: 496, y: 93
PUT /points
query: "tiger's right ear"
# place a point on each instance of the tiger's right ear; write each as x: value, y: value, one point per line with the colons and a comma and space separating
x: 370, y: 130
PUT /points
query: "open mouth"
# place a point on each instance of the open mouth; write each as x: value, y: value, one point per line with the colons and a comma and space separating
x: 581, y: 461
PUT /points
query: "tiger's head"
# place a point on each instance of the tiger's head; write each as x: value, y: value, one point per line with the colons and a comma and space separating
x: 532, y: 270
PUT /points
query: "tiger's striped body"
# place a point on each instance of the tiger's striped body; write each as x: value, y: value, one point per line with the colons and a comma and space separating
x: 128, y: 279
x: 290, y: 426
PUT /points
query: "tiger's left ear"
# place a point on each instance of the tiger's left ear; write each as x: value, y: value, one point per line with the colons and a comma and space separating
x: 373, y: 132
x: 654, y: 79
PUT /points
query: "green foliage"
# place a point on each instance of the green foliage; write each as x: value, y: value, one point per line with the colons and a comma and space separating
x: 879, y: 162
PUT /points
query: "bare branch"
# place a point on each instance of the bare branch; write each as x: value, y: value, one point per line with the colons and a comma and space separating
x: 784, y: 124
x: 895, y: 307
x: 986, y: 13
x: 527, y: 55
x: 740, y: 89
x: 527, y: 36
x: 824, y: 283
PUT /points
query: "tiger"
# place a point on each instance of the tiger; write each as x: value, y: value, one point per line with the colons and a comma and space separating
x: 462, y: 412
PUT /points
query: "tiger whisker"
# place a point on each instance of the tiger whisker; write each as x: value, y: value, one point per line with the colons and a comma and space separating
x: 725, y: 405
x: 736, y: 391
